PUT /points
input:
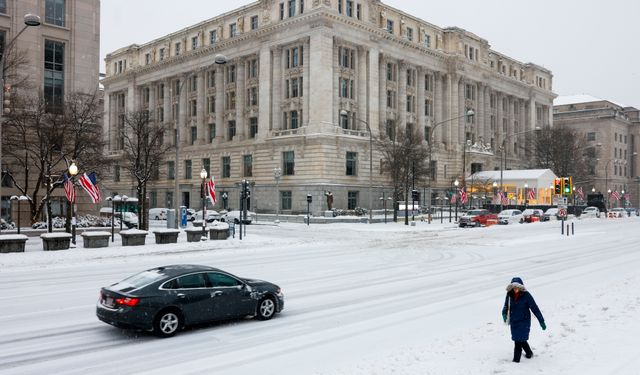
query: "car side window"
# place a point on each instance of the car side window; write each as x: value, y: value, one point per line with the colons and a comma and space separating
x: 195, y: 280
x: 218, y: 280
x: 172, y: 284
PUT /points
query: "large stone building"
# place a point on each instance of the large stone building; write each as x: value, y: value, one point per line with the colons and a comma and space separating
x: 294, y: 68
x: 613, y: 131
x: 61, y: 56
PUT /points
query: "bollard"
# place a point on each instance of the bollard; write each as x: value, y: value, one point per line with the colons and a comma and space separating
x: 562, y: 227
x: 567, y: 230
x: 572, y: 230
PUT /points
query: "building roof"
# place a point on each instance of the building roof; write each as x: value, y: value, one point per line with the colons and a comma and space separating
x: 533, y: 177
x: 581, y: 98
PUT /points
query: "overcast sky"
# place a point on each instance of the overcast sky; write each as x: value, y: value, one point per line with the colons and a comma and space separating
x: 590, y: 46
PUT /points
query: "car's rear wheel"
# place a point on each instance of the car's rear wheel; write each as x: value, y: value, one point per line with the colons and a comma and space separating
x: 477, y: 224
x: 167, y: 323
x: 266, y: 308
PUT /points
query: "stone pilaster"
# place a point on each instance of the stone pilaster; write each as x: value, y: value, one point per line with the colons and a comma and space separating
x: 420, y: 118
x: 374, y: 92
x: 182, y: 115
x: 278, y: 93
x: 361, y: 84
x: 219, y: 77
x: 241, y: 94
x: 264, y: 93
x: 321, y: 74
x: 462, y: 121
x: 402, y: 95
x: 480, y: 117
x: 382, y: 74
x: 438, y: 109
x: 201, y: 122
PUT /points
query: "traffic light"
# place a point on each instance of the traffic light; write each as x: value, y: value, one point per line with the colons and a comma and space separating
x: 557, y: 183
x: 566, y: 186
x: 414, y: 195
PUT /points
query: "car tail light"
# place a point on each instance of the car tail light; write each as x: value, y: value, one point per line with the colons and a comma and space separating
x: 127, y: 301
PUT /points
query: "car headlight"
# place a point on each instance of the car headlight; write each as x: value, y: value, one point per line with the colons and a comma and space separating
x: 279, y: 293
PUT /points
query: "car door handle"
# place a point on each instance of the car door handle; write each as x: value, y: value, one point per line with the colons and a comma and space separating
x: 216, y: 293
x: 180, y: 295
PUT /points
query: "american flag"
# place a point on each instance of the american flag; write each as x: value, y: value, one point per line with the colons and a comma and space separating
x: 88, y: 183
x: 580, y: 193
x: 454, y: 198
x: 69, y: 189
x: 463, y: 196
x: 615, y: 195
x: 627, y: 197
x: 211, y: 190
x: 532, y: 194
x: 503, y: 198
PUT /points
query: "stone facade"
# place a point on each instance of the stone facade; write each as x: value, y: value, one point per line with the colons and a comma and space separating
x: 74, y: 24
x: 292, y: 69
x: 614, y: 133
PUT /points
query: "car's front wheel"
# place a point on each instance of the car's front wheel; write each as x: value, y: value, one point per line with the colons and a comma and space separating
x: 167, y: 323
x: 266, y: 309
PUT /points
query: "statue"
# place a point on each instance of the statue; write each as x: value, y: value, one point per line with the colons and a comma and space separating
x: 329, y: 196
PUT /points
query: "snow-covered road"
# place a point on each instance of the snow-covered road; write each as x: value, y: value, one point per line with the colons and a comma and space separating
x: 360, y: 299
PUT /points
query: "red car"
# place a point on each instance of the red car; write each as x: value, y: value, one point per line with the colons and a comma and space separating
x: 476, y: 218
x: 531, y: 215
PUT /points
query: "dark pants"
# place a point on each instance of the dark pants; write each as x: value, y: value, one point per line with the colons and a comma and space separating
x: 517, y: 350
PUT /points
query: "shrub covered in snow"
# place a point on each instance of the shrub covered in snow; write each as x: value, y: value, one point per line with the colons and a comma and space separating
x: 5, y: 225
x: 81, y: 222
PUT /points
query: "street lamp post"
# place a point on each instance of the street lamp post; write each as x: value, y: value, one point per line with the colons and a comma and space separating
x: 123, y: 203
x: 432, y: 131
x: 73, y: 171
x: 277, y: 173
x: 526, y: 195
x: 203, y: 194
x: 456, y: 183
x: 111, y: 199
x: 345, y: 113
x: 18, y: 199
x: 503, y: 156
x: 384, y: 205
x: 29, y: 20
x: 218, y: 60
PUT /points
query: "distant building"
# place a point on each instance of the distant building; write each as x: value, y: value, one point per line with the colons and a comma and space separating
x: 613, y: 132
x: 302, y: 82
x: 62, y: 56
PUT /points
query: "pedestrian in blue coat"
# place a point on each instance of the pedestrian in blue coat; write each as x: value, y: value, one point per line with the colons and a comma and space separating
x: 518, y: 305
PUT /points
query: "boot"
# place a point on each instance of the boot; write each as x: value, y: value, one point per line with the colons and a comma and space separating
x: 528, y: 353
x: 517, y: 352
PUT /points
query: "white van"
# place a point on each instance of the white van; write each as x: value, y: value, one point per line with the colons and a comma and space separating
x: 157, y: 214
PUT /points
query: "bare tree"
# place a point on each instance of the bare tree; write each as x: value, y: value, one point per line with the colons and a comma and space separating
x: 144, y: 149
x: 563, y: 151
x: 405, y: 159
x: 40, y: 144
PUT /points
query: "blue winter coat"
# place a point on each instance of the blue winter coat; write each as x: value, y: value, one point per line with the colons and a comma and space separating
x: 519, y: 312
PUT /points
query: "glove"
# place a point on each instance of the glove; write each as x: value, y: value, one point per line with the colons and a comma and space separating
x: 504, y: 317
x: 543, y: 325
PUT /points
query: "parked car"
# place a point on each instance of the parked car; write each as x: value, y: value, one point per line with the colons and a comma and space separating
x: 191, y: 214
x: 590, y: 211
x: 211, y: 216
x: 164, y: 300
x: 617, y: 212
x: 510, y: 217
x: 632, y: 211
x: 550, y: 214
x: 531, y: 215
x: 130, y: 219
x: 476, y: 218
x: 158, y: 213
x: 234, y: 216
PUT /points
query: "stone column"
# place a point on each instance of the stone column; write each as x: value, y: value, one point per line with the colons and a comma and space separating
x: 462, y: 121
x: 361, y: 85
x: 131, y: 97
x: 201, y: 122
x: 488, y: 133
x: 278, y: 94
x: 182, y: 127
x: 241, y: 94
x: 152, y: 101
x: 452, y: 100
x: 480, y: 117
x: 420, y: 118
x: 108, y: 121
x: 306, y: 81
x: 219, y: 77
x: 264, y: 93
x: 321, y: 74
x: 499, y: 135
x: 438, y: 109
x: 382, y: 73
x: 402, y: 95
x: 166, y: 102
x: 373, y: 92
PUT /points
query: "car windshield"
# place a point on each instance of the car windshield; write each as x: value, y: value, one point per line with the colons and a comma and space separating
x: 139, y: 280
x: 527, y: 212
x: 475, y: 212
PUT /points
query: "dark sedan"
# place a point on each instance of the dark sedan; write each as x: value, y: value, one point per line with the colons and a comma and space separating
x: 166, y: 299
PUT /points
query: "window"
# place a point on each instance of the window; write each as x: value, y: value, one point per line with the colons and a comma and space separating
x: 193, y: 106
x: 192, y: 281
x: 352, y: 200
x: 211, y: 79
x: 349, y: 10
x: 211, y: 104
x: 411, y: 78
x: 233, y: 30
x: 206, y: 165
x: 116, y: 173
x: 252, y: 96
x: 54, y: 12
x: 352, y: 163
x: 591, y: 136
x: 53, y: 75
x: 391, y: 99
x: 391, y: 129
x: 232, y: 130
x: 219, y: 280
x: 231, y: 74
x: 247, y: 165
x: 285, y: 200
x: 391, y: 72
x: 427, y: 40
x: 187, y: 169
x: 428, y: 82
x: 212, y: 132
x: 253, y: 127
x: 428, y: 107
x: 3, y: 6
x: 213, y: 36
x: 226, y: 166
x: 171, y: 170
x: 178, y: 48
x: 253, y: 68
x: 346, y: 58
x: 470, y: 92
x: 293, y: 115
x: 294, y: 57
x: 281, y: 11
x: 194, y: 135
x: 301, y: 6
x: 409, y: 34
x: 344, y: 120
x: 411, y: 103
x: 390, y: 26
x: 288, y: 163
x: 292, y: 8
x: 427, y: 133
x: 230, y: 100
x: 147, y: 58
x: 162, y: 53
x: 169, y: 199
x: 340, y: 6
x: 254, y: 23
x: 295, y: 89
x: 194, y: 42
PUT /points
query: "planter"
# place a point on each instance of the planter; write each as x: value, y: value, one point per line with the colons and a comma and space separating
x: 55, y: 241
x: 12, y: 243
x: 92, y: 240
x: 195, y: 234
x: 197, y: 223
x: 219, y: 232
x: 165, y: 236
x: 133, y: 237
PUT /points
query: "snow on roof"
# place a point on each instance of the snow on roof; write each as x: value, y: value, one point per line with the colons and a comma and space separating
x: 523, y: 174
x: 582, y: 98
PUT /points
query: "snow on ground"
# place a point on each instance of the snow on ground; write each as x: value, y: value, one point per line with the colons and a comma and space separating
x: 360, y: 300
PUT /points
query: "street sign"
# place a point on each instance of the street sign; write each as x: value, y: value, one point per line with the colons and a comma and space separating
x: 562, y: 212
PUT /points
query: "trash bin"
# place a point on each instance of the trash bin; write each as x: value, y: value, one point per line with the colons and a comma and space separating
x: 171, y: 219
x: 232, y: 229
